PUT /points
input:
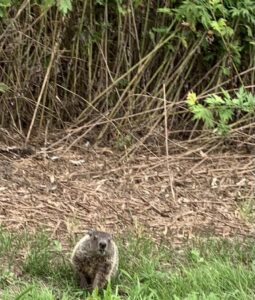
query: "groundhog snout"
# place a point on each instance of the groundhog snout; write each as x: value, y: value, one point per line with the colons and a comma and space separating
x: 102, y: 245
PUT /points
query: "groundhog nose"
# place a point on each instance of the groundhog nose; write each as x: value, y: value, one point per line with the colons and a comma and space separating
x: 102, y: 245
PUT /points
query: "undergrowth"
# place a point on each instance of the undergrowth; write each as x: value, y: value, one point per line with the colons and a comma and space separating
x: 110, y: 70
x: 36, y: 267
x: 218, y: 112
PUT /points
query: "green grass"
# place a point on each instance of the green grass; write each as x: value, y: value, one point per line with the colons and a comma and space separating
x: 36, y: 267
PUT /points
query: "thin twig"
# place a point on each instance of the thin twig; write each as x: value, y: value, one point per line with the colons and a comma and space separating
x: 170, y: 174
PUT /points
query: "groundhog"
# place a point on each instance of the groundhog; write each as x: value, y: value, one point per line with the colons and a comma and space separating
x: 95, y: 260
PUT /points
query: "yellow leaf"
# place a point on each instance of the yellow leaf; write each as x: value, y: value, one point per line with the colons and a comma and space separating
x: 191, y: 98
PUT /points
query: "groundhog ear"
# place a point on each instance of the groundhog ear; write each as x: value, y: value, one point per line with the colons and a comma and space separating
x: 90, y: 232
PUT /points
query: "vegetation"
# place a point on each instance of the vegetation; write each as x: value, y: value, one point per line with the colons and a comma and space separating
x: 217, y: 112
x: 116, y: 67
x: 35, y: 267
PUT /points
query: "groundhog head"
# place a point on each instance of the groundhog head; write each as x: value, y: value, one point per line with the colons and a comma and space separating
x: 100, y: 242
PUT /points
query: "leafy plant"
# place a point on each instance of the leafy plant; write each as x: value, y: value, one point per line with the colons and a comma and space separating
x: 3, y: 87
x: 63, y: 5
x: 4, y: 5
x: 123, y: 142
x: 217, y: 112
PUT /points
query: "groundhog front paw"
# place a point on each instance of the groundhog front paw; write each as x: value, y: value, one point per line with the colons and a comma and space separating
x: 99, y: 285
x: 83, y: 283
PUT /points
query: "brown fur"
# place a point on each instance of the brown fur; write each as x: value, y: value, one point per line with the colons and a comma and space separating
x: 95, y: 266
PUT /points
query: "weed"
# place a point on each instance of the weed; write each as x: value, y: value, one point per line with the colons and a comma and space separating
x: 217, y: 112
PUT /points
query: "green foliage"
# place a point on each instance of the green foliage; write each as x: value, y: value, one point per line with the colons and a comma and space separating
x: 4, y: 5
x: 3, y: 87
x: 165, y: 10
x: 202, y: 113
x: 46, y: 4
x: 123, y: 142
x: 217, y: 112
x: 221, y: 27
x: 244, y: 10
x: 194, y: 12
x: 64, y: 6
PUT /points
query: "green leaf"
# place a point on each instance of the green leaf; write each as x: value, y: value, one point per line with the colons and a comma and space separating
x: 122, y: 10
x: 249, y: 31
x: 5, y: 3
x: 64, y: 6
x: 251, y: 102
x: 221, y: 27
x: 214, y: 100
x: 241, y: 96
x: 170, y: 47
x: 137, y: 2
x: 46, y: 4
x: 222, y: 129
x: 3, y: 87
x: 225, y: 115
x: 237, y: 102
x: 184, y: 42
x: 164, y: 10
x: 215, y: 2
x: 225, y: 71
x: 152, y: 36
x: 216, y: 26
x: 226, y: 94
x: 160, y: 29
x: 202, y: 113
x: 100, y: 2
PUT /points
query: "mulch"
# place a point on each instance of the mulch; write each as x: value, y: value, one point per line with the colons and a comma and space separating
x: 176, y: 197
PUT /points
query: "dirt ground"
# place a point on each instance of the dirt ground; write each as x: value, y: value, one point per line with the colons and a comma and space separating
x: 176, y: 197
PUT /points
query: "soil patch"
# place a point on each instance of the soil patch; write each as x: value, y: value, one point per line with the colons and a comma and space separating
x: 175, y: 197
